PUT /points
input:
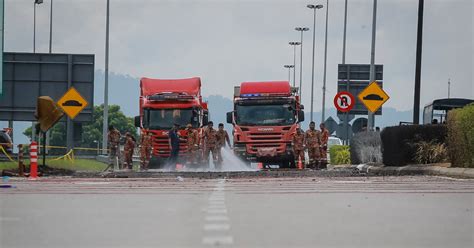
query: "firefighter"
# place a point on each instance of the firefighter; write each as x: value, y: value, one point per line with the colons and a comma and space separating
x: 222, y: 138
x: 298, y: 146
x: 113, y: 137
x: 324, y: 145
x: 173, y: 141
x: 209, y: 140
x: 313, y: 140
x: 146, y: 144
x: 192, y: 141
x: 128, y: 151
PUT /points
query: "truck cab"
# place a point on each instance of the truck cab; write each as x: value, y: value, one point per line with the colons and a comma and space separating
x: 164, y: 102
x: 266, y: 116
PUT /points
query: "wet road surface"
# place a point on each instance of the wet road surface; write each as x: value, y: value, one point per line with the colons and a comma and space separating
x: 405, y: 211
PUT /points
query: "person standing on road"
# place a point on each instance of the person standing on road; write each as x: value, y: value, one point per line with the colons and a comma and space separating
x: 313, y: 141
x: 222, y: 138
x: 146, y: 145
x: 113, y: 137
x: 324, y: 145
x: 298, y: 147
x: 128, y: 150
x: 173, y: 141
x: 192, y: 143
x: 209, y: 140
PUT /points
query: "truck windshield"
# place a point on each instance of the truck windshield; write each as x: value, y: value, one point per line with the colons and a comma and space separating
x: 265, y: 115
x: 165, y: 118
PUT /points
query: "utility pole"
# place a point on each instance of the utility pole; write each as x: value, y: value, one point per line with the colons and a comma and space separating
x: 323, y: 112
x: 106, y: 89
x: 51, y: 27
x: 301, y: 29
x: 289, y: 71
x: 294, y: 44
x: 346, y: 114
x: 314, y: 8
x: 419, y: 42
x: 449, y: 88
x: 371, y: 119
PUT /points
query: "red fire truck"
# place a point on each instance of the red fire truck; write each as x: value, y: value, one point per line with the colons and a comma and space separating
x: 265, y: 118
x: 164, y: 102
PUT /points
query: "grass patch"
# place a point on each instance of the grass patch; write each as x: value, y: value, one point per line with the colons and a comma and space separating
x: 77, y: 164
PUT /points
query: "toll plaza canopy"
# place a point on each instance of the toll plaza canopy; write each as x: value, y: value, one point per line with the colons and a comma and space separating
x: 190, y: 86
x: 270, y: 87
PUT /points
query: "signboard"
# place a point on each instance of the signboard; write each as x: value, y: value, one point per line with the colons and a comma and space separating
x: 28, y: 76
x: 344, y: 101
x: 331, y: 125
x: 72, y: 103
x: 373, y: 97
x: 354, y: 78
x: 2, y: 19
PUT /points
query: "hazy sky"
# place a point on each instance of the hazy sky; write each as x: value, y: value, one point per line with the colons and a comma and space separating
x: 226, y: 42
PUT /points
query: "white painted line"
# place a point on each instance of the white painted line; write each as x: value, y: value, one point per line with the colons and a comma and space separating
x: 216, y: 204
x: 211, y: 218
x: 218, y: 240
x: 9, y: 219
x: 216, y: 227
x: 217, y: 211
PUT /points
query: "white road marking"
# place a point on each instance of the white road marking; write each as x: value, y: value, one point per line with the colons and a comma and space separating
x: 218, y: 240
x: 211, y: 218
x: 12, y: 219
x: 216, y: 227
x: 217, y: 211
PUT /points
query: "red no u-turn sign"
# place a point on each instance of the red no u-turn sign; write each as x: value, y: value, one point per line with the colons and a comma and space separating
x: 344, y: 101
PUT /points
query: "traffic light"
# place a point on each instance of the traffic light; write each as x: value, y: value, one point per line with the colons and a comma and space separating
x: 47, y: 113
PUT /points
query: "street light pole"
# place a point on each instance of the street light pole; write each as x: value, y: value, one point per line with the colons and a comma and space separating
x: 371, y: 119
x: 34, y: 23
x: 314, y: 8
x: 294, y: 44
x: 289, y: 70
x: 106, y: 88
x: 301, y: 29
x: 323, y: 112
x: 51, y: 26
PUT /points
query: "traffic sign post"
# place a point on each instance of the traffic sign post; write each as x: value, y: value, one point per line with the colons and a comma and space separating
x: 72, y: 103
x: 344, y: 101
x: 373, y: 97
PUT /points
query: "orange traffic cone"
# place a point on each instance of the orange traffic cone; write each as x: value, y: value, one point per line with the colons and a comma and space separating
x: 259, y: 165
x: 300, y: 165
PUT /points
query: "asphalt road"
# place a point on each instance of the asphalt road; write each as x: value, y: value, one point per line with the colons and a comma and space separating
x: 279, y: 212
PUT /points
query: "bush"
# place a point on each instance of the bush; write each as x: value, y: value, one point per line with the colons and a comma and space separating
x: 399, y: 143
x: 340, y: 154
x: 430, y: 152
x: 460, y: 139
x: 366, y: 147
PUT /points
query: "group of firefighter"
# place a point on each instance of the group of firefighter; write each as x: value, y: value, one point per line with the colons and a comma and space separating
x: 315, y: 142
x: 211, y: 142
x: 199, y: 146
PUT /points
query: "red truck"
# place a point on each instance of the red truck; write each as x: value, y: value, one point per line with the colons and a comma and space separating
x: 265, y: 118
x: 164, y: 102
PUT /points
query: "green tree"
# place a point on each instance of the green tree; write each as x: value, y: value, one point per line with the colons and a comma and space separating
x: 92, y: 131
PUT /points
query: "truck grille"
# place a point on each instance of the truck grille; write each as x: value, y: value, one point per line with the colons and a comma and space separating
x: 265, y: 136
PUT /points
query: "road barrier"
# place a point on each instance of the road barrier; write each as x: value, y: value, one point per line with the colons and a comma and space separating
x: 33, y: 161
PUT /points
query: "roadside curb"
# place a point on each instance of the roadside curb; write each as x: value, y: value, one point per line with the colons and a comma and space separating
x: 417, y: 170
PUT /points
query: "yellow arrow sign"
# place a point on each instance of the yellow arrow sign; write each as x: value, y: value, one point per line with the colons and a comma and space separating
x: 373, y: 97
x: 72, y: 103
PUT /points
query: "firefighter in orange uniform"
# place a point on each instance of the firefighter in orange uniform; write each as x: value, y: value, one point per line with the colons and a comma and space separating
x: 192, y: 141
x: 113, y: 137
x: 222, y: 138
x: 128, y: 150
x: 298, y: 146
x: 313, y: 142
x: 324, y: 145
x: 209, y: 140
x: 146, y: 144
